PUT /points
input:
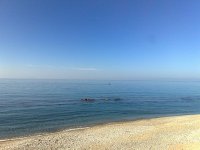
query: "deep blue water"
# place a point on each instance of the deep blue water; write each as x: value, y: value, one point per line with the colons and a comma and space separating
x: 34, y: 106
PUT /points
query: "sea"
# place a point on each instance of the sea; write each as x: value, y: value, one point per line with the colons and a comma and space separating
x: 37, y: 106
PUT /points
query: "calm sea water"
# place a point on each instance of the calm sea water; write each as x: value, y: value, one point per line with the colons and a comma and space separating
x: 34, y: 106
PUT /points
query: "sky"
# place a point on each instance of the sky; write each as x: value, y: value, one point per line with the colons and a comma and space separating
x: 99, y: 39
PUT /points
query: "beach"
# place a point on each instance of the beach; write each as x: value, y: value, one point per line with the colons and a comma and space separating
x: 176, y: 132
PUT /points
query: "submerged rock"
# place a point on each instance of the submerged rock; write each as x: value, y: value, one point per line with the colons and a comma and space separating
x: 88, y: 100
x: 100, y: 99
x: 112, y: 99
x: 117, y: 99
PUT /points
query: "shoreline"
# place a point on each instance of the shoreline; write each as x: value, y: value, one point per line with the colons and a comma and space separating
x: 66, y: 129
x: 182, y: 123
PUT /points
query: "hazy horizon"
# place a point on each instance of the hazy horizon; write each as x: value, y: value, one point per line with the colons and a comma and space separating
x: 119, y: 40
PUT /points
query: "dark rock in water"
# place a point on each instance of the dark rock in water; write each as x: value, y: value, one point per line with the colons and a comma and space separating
x: 111, y: 99
x: 88, y: 100
x: 117, y: 99
x: 101, y: 99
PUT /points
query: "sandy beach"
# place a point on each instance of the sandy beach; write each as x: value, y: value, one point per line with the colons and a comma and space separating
x: 179, y: 132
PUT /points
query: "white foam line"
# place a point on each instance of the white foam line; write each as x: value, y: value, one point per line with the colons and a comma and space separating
x: 12, y: 139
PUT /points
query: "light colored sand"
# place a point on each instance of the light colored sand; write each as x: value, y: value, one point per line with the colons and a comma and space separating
x: 171, y: 133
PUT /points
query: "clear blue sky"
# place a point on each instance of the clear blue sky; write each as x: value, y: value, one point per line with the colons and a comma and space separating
x: 99, y: 39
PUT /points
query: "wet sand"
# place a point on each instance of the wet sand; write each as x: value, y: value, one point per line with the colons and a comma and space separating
x: 178, y: 132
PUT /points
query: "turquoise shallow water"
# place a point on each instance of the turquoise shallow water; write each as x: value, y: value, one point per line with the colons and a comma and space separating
x: 34, y: 106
